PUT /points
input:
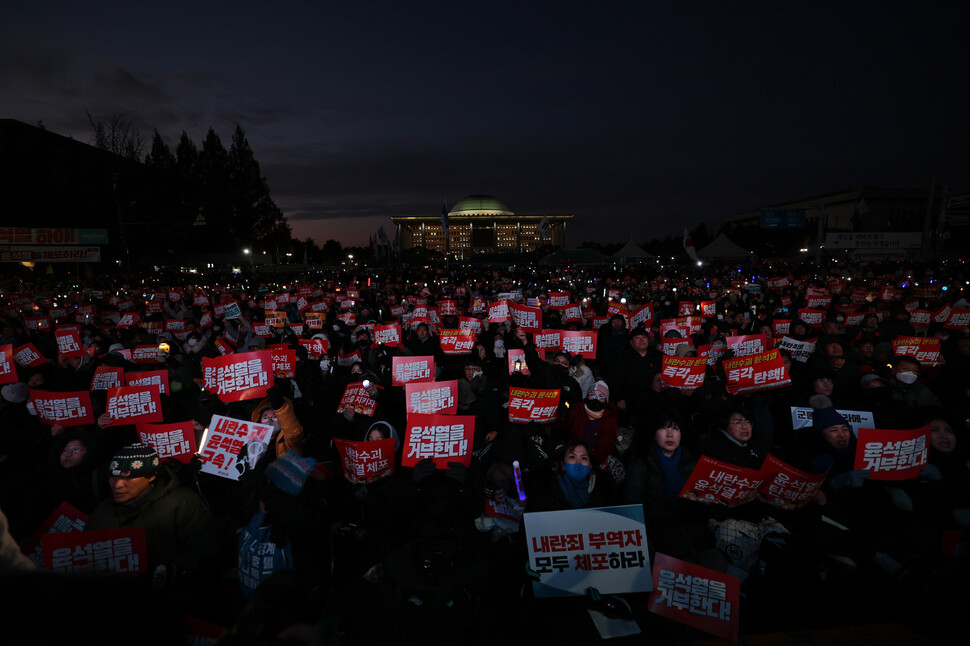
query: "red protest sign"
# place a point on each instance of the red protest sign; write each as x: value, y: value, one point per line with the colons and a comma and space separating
x: 747, y: 344
x: 69, y: 343
x: 149, y: 378
x: 237, y: 377
x: 8, y: 372
x: 527, y: 318
x: 532, y: 405
x: 558, y: 300
x: 574, y: 313
x: 926, y: 350
x: 448, y: 308
x: 919, y: 318
x: 145, y: 354
x: 27, y: 356
x: 812, y: 317
x: 170, y: 440
x: 498, y: 312
x: 548, y: 340
x: 315, y: 348
x: 668, y: 347
x: 366, y: 461
x: 355, y: 398
x: 130, y: 403
x: 426, y: 398
x: 128, y: 320
x: 715, y: 481
x: 755, y: 372
x: 275, y: 319
x: 696, y: 596
x: 517, y: 363
x: 892, y: 454
x: 284, y: 362
x: 443, y: 438
x: 685, y: 374
x: 820, y: 302
x: 580, y: 342
x: 958, y: 318
x: 779, y: 327
x: 232, y: 446
x: 407, y: 369
x: 470, y: 323
x: 66, y: 518
x: 103, y: 551
x: 389, y: 335
x: 642, y: 316
x: 457, y: 342
x: 686, y: 308
x: 348, y: 359
x: 787, y: 487
x: 66, y: 409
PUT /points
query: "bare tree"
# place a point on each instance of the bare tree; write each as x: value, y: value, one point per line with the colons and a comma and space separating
x: 117, y: 135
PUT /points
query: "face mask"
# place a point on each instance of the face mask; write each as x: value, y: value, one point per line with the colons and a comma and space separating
x: 595, y: 405
x: 576, y: 472
x: 499, y: 343
x: 192, y: 342
x: 906, y: 377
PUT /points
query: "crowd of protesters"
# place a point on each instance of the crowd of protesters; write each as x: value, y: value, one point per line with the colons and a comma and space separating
x: 334, y: 557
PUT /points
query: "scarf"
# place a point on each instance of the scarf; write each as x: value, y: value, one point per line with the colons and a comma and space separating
x: 577, y: 493
x: 673, y: 481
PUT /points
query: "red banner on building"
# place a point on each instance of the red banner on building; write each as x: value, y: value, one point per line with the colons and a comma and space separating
x: 355, y: 398
x: 457, y: 342
x: 443, y: 438
x: 685, y: 374
x: 103, y: 551
x: 170, y: 440
x: 237, y: 377
x: 580, y: 342
x: 532, y: 405
x: 66, y: 409
x: 408, y: 369
x: 366, y: 461
x: 696, y: 596
x: 755, y: 372
x: 426, y: 398
x: 892, y: 454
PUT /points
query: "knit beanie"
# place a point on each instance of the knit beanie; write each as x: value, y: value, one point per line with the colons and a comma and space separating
x: 825, y: 417
x: 289, y: 472
x: 134, y: 461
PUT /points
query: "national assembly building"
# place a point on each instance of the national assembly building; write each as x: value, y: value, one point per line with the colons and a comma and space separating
x: 481, y: 224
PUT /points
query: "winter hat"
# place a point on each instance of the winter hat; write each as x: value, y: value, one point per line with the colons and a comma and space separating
x: 825, y: 417
x: 683, y: 350
x: 639, y: 331
x: 134, y: 461
x: 603, y: 388
x: 15, y: 393
x: 871, y: 377
x: 289, y: 472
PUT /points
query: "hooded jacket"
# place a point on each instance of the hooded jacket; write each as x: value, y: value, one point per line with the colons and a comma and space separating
x: 290, y: 436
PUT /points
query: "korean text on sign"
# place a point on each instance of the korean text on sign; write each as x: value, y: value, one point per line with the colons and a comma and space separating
x: 170, y: 440
x: 431, y: 397
x: 237, y: 377
x: 531, y: 405
x: 573, y: 550
x: 115, y: 551
x: 892, y: 454
x: 223, y: 453
x: 66, y: 409
x: 686, y: 374
x: 407, y: 369
x: 366, y: 461
x: 443, y: 438
x: 694, y: 595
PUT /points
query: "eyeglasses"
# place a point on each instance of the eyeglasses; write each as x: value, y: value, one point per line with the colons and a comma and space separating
x: 598, y: 396
x: 73, y: 451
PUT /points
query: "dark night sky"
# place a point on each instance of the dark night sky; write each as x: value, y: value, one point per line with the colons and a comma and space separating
x: 647, y: 115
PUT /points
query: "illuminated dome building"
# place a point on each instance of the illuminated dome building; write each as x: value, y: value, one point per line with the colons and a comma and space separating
x: 480, y: 224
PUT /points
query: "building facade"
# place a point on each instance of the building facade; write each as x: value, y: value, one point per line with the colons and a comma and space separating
x: 481, y: 224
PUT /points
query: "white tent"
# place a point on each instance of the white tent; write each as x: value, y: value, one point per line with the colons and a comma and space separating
x: 721, y: 248
x: 633, y: 253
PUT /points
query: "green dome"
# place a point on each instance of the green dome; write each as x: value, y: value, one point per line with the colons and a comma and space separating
x: 480, y: 205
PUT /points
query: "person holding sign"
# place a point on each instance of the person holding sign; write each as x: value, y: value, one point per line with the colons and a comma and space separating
x: 576, y: 482
x: 595, y: 423
x: 278, y: 412
x: 182, y: 535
